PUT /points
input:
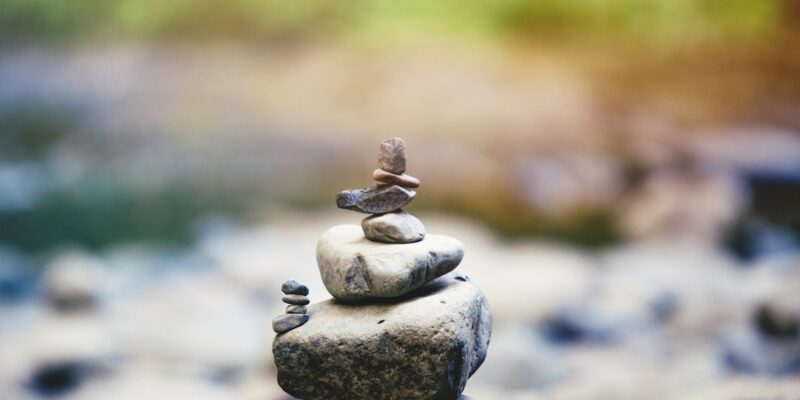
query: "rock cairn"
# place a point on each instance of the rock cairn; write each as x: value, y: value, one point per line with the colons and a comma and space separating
x: 296, y: 296
x: 402, y: 324
x: 389, y: 223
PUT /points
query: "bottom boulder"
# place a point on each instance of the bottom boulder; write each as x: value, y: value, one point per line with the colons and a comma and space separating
x: 424, y: 345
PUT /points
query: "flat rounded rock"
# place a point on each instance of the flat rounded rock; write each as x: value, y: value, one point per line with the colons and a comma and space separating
x: 296, y: 309
x: 286, y: 322
x: 354, y: 268
x: 295, y: 299
x: 377, y: 199
x: 394, y: 227
x: 403, y: 180
x: 294, y: 287
x: 424, y: 345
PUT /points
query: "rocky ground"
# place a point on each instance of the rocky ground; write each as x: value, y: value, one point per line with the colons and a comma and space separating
x: 659, y: 319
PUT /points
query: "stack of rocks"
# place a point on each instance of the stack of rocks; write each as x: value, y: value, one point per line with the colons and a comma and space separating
x: 296, y: 296
x: 389, y: 223
x: 402, y: 324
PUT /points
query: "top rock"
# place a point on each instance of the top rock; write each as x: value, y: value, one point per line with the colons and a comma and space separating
x: 294, y: 287
x: 392, y: 157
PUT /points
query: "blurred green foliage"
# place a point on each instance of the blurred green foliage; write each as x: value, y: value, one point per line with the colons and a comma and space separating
x: 291, y: 20
x: 72, y: 218
x: 29, y: 130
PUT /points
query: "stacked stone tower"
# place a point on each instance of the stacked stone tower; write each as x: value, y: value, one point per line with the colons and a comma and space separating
x: 402, y: 324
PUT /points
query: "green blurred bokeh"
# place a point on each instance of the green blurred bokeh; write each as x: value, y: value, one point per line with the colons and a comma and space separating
x: 101, y: 210
x: 659, y: 20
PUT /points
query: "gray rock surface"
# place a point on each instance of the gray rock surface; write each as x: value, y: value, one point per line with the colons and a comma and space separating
x: 294, y: 287
x: 296, y: 309
x: 394, y: 227
x: 403, y: 180
x: 295, y: 299
x: 355, y: 268
x: 286, y: 322
x: 392, y: 156
x: 375, y: 199
x: 422, y: 346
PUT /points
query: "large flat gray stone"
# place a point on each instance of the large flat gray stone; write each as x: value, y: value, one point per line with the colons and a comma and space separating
x: 422, y: 346
x: 354, y: 268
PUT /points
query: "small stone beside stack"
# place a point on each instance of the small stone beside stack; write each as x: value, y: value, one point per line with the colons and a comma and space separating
x: 389, y: 223
x: 296, y: 296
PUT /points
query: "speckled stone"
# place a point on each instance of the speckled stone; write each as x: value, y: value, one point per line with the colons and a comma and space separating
x: 295, y: 299
x: 286, y: 322
x: 354, y: 268
x: 394, y: 227
x: 389, y: 178
x: 296, y: 309
x: 424, y: 345
x: 392, y: 156
x: 294, y: 287
x: 375, y: 199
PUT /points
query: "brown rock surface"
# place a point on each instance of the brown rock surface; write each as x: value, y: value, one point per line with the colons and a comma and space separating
x: 392, y: 156
x: 403, y: 180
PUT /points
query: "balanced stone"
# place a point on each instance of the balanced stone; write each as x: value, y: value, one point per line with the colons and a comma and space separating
x: 403, y: 180
x: 286, y: 322
x: 394, y: 227
x: 424, y: 345
x: 294, y: 287
x: 355, y: 268
x: 392, y: 156
x: 295, y: 299
x: 296, y: 309
x: 375, y: 199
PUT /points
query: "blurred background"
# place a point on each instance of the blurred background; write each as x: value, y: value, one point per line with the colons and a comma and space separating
x: 625, y: 175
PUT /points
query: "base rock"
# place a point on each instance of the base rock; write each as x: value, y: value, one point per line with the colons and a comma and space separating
x: 424, y: 345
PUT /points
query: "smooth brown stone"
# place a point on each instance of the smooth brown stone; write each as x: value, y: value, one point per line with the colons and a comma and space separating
x: 403, y: 180
x: 392, y: 156
x: 296, y: 299
x: 378, y: 199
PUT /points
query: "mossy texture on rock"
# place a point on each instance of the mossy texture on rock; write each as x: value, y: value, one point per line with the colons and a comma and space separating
x: 424, y: 345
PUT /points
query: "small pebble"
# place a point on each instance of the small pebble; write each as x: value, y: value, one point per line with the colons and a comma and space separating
x: 286, y: 322
x: 403, y: 180
x: 392, y: 156
x: 295, y: 309
x: 294, y: 287
x: 295, y: 299
x: 394, y: 227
